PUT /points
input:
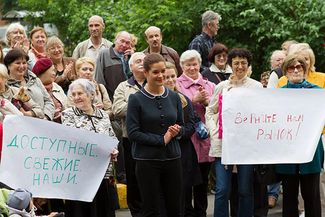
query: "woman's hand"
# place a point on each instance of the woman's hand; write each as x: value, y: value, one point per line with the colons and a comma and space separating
x: 114, y: 155
x: 27, y: 113
x: 67, y: 73
x: 23, y: 44
x: 171, y: 133
x: 201, y: 96
x: 99, y: 105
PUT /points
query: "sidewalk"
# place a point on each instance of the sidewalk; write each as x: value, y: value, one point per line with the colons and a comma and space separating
x: 275, y: 212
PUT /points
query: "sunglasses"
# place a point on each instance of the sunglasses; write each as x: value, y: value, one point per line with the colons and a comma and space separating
x: 293, y: 68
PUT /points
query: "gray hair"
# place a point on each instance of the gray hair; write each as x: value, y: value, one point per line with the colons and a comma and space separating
x: 4, y: 71
x: 120, y: 33
x: 85, y: 84
x: 132, y: 57
x: 189, y: 55
x: 11, y: 28
x: 208, y: 16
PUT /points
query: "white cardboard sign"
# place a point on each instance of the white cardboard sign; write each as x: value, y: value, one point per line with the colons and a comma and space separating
x: 52, y: 160
x: 269, y: 126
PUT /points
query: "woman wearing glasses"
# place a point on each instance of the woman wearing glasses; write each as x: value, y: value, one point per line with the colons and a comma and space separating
x: 219, y: 69
x: 239, y: 59
x: 64, y: 66
x: 306, y: 175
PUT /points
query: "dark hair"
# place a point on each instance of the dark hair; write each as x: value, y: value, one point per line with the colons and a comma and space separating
x: 152, y: 59
x: 240, y: 52
x: 217, y: 48
x: 14, y: 55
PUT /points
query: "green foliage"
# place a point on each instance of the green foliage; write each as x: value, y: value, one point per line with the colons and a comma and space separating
x: 7, y: 5
x: 259, y: 25
x: 263, y: 25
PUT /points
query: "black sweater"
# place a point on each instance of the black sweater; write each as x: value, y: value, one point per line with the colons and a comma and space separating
x: 148, y: 118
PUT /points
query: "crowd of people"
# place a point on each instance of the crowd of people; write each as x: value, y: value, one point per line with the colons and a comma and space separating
x: 165, y: 110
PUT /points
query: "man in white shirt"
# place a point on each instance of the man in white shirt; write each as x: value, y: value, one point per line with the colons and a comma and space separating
x: 95, y: 43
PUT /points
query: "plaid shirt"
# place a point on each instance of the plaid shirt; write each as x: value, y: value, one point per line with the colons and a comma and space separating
x: 203, y: 44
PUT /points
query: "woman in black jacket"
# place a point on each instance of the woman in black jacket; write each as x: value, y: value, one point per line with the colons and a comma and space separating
x: 154, y: 123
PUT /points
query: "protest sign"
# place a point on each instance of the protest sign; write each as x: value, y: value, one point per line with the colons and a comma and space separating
x: 269, y: 126
x: 52, y: 160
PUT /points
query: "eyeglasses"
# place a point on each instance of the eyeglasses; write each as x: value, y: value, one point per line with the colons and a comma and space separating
x: 219, y: 56
x: 87, y: 68
x: 55, y: 48
x: 243, y: 63
x: 291, y: 69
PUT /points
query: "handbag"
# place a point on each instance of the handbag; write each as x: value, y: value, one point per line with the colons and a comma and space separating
x: 201, y: 130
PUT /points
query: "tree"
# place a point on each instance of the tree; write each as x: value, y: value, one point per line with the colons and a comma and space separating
x: 7, y: 5
x: 260, y: 25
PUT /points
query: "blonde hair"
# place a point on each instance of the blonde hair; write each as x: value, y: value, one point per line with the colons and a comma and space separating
x: 52, y: 41
x: 83, y: 60
x: 303, y: 48
x: 4, y: 71
x: 134, y: 41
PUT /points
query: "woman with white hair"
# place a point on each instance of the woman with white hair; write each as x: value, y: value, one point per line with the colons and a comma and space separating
x: 84, y: 115
x: 16, y: 38
x: 199, y: 91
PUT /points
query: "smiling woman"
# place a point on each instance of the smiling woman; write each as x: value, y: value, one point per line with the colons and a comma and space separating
x: 307, y: 175
x: 239, y: 59
x: 38, y: 39
x: 20, y: 76
x: 86, y: 116
x: 64, y: 66
x: 154, y: 124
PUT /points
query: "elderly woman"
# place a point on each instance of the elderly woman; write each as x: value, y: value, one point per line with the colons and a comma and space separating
x: 38, y: 39
x: 191, y: 170
x: 239, y: 59
x: 307, y: 175
x: 85, y: 68
x: 219, y: 69
x: 64, y: 66
x: 85, y: 115
x: 312, y: 76
x: 20, y: 76
x: 44, y: 70
x: 199, y: 91
x: 16, y: 38
x: 154, y: 124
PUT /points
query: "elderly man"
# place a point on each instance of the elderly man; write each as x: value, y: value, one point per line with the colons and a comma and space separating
x: 121, y: 96
x: 95, y: 43
x: 154, y: 38
x: 276, y: 61
x: 112, y: 63
x: 204, y: 42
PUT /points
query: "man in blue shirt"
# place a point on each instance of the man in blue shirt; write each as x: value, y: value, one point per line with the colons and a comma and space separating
x: 204, y: 42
